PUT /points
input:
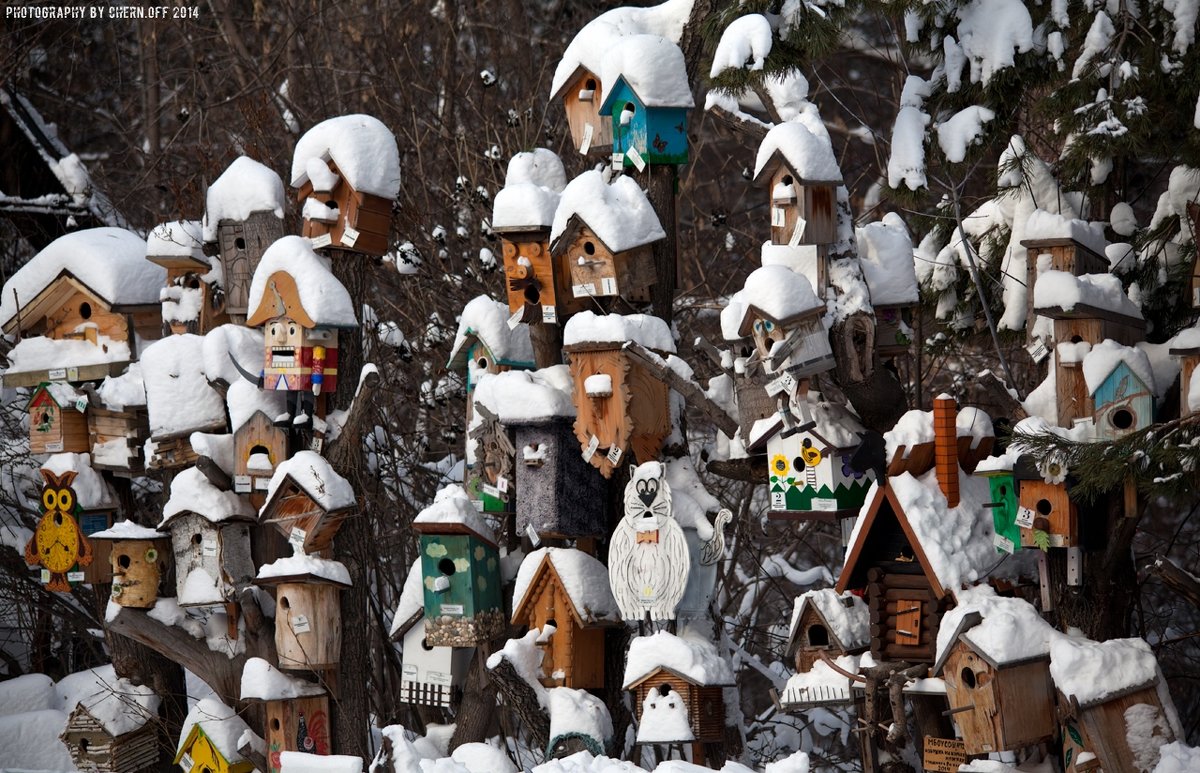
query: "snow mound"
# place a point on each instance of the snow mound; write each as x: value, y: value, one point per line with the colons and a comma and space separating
x: 1048, y: 225
x: 362, y: 147
x: 697, y: 660
x: 313, y: 473
x: 1011, y: 630
x: 245, y: 187
x: 30, y: 741
x: 261, y: 681
x: 1106, y: 355
x: 30, y: 692
x: 619, y: 214
x: 1065, y: 291
x: 885, y: 253
x: 303, y: 565
x: 522, y: 396
x: 745, y: 43
x: 191, y: 492
x: 809, y: 155
x: 589, y: 327
x: 451, y: 505
x: 1091, y: 671
x: 178, y: 397
x: 129, y: 530
x: 178, y: 238
x: 541, y: 167
x: 487, y: 320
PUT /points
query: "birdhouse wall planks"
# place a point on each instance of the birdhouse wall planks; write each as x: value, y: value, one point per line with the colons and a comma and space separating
x: 558, y: 494
x: 1186, y: 350
x: 798, y: 169
x: 647, y: 97
x: 308, y: 620
x: 429, y: 676
x: 117, y: 438
x: 113, y: 730
x: 307, y: 500
x: 1003, y: 502
x: 1045, y: 507
x: 1120, y: 383
x: 1058, y: 254
x: 825, y: 622
x: 581, y: 96
x: 139, y: 560
x: 58, y: 420
x: 700, y: 687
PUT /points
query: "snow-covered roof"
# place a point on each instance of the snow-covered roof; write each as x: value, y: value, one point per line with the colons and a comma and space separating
x: 177, y: 238
x: 696, y: 660
x: 587, y: 327
x: 744, y: 44
x: 541, y: 167
x: 118, y: 705
x: 245, y: 399
x: 245, y: 187
x: 313, y: 473
x: 1099, y: 363
x: 63, y: 394
x: 452, y: 506
x: 809, y: 155
x: 802, y: 259
x: 178, y: 396
x: 1092, y: 672
x: 40, y: 353
x: 577, y: 711
x: 262, y: 681
x: 821, y: 683
x: 191, y: 492
x: 91, y: 490
x: 845, y: 613
x: 619, y: 214
x: 1043, y: 225
x: 324, y: 299
x: 774, y: 291
x: 650, y: 65
x: 221, y: 725
x: 524, y: 206
x: 527, y: 397
x: 885, y: 253
x: 1002, y: 630
x: 487, y: 320
x: 127, y: 389
x: 833, y: 423
x: 300, y: 565
x: 412, y: 598
x: 110, y: 261
x: 128, y: 530
x: 362, y: 147
x: 1063, y: 290
x: 583, y: 577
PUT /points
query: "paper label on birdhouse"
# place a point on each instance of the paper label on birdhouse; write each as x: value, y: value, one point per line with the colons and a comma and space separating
x: 824, y: 505
x: 549, y: 315
x: 57, y: 374
x: 502, y: 484
x: 74, y: 576
x: 618, y: 161
x: 589, y: 132
x: 242, y: 484
x: 438, y: 677
x: 1003, y: 544
x: 614, y: 455
x: 778, y: 500
x: 186, y: 763
x: 45, y: 576
x: 296, y: 538
x: 490, y: 490
x: 72, y: 374
x: 784, y: 383
x: 585, y: 290
x: 208, y: 547
x: 55, y: 446
x: 608, y: 286
x: 1038, y: 350
x: 300, y: 624
x: 637, y: 159
x: 452, y: 609
x: 778, y: 217
x: 324, y: 240
x: 1025, y: 517
x: 531, y: 532
x: 514, y: 319
x: 590, y: 450
x: 410, y: 672
x: 349, y: 236
x: 263, y: 484
x: 81, y: 404
x: 797, y: 232
x: 315, y: 446
x: 944, y: 755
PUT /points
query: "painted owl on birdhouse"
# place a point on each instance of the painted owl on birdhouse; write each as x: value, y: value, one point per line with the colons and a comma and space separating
x: 648, y: 560
x: 58, y: 544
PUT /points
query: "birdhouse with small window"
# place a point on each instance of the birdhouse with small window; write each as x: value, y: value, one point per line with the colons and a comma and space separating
x: 211, y: 736
x: 111, y: 730
x: 58, y: 419
x: 210, y: 540
x: 346, y: 172
x: 193, y: 301
x: 647, y: 97
x: 564, y: 594
x: 1060, y: 246
x: 243, y: 215
x: 140, y: 563
x: 798, y: 168
x: 581, y: 95
x: 602, y: 233
x: 1120, y: 385
x: 620, y: 406
x: 259, y: 447
x: 307, y: 501
x: 297, y: 711
x: 460, y: 569
x: 429, y: 676
x: 826, y: 623
x: 308, y: 619
x: 485, y: 343
x: 778, y: 309
x: 1185, y: 349
x: 655, y: 672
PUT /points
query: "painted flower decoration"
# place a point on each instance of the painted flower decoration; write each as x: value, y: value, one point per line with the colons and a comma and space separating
x: 779, y: 465
x: 1052, y: 470
x: 848, y: 471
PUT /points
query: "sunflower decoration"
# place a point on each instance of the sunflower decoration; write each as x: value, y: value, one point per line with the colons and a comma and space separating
x: 1052, y: 470
x: 779, y: 465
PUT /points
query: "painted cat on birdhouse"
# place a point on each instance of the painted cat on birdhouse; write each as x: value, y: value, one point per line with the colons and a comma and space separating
x: 648, y: 558
x: 798, y: 168
x: 647, y: 96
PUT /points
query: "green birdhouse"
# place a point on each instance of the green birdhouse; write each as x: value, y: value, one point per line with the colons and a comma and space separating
x: 1003, y: 504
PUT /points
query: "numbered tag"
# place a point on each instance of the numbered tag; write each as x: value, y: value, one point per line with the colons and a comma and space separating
x: 637, y: 159
x: 608, y: 286
x: 81, y: 404
x: 349, y: 236
x: 589, y: 131
x: 797, y: 232
x: 585, y: 290
x: 1025, y: 517
x: 549, y: 315
x: 614, y: 455
x: 1038, y: 350
x: 296, y: 538
x: 784, y: 383
x: 186, y: 763
x: 778, y: 217
x: 57, y: 374
x: 824, y: 505
x: 242, y: 484
x: 514, y: 319
x: 300, y: 624
x: 74, y: 576
x: 618, y: 162
x: 324, y: 240
x: 208, y: 547
x: 1003, y: 544
x: 531, y: 532
x: 590, y: 450
x: 778, y: 500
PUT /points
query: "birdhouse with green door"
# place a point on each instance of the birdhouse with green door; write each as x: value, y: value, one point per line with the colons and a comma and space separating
x: 647, y: 96
x: 1002, y: 501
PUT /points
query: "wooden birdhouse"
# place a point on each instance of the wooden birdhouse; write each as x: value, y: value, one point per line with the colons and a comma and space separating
x: 212, y: 732
x: 259, y: 447
x: 117, y: 436
x: 139, y: 561
x: 1002, y: 502
x: 58, y: 419
x: 647, y: 97
x: 780, y: 312
x: 308, y: 620
x: 210, y: 539
x: 193, y: 300
x: 802, y: 175
x: 1186, y: 350
x: 885, y: 253
x: 297, y: 711
x: 173, y: 373
x: 1124, y: 395
x: 649, y: 673
x: 558, y: 494
x: 564, y: 594
x: 486, y: 344
x: 460, y: 568
x: 307, y: 501
x: 491, y: 460
x: 1058, y: 253
x: 346, y: 172
x: 429, y: 675
x: 1044, y: 506
x: 580, y: 92
x: 114, y: 730
x: 620, y: 406
x: 827, y: 623
x: 602, y: 236
x: 75, y: 503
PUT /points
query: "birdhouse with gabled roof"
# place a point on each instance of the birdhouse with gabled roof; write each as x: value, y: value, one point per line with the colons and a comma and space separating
x: 193, y: 300
x: 243, y: 215
x: 998, y: 471
x: 996, y: 666
x: 210, y: 539
x: 113, y: 728
x: 81, y: 307
x: 485, y: 343
x: 140, y: 563
x: 564, y: 594
x: 647, y: 96
x: 826, y: 623
x: 1120, y: 383
x: 664, y: 665
x: 797, y: 166
x: 308, y: 618
x: 307, y: 501
x: 1046, y: 514
x: 346, y: 173
x: 429, y: 676
x: 297, y: 711
x: 620, y: 406
x: 1056, y: 243
x: 58, y: 419
x: 885, y: 254
x: 579, y: 89
x: 1185, y: 348
x: 602, y: 233
x: 460, y: 570
x: 778, y: 309
x: 210, y: 740
x: 259, y: 447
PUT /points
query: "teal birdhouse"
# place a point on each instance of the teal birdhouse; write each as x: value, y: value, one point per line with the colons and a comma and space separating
x: 1120, y: 382
x: 460, y: 573
x: 648, y: 101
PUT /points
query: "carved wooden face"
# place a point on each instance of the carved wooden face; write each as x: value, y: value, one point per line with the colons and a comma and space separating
x: 284, y: 337
x: 766, y: 333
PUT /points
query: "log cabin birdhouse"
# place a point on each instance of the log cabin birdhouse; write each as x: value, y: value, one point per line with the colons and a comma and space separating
x: 113, y: 730
x: 579, y: 89
x: 602, y: 235
x: 1057, y: 243
x: 210, y: 540
x: 620, y: 406
x: 885, y: 253
x: 564, y: 594
x: 308, y: 619
x: 647, y: 96
x: 210, y: 740
x: 259, y: 447
x: 346, y: 173
x: 58, y: 419
x: 996, y: 667
x: 77, y: 305
x: 827, y: 623
x: 243, y: 216
x: 460, y: 568
x: 119, y: 425
x: 1185, y: 348
x: 429, y: 676
x: 179, y: 400
x: 654, y: 672
x: 297, y: 711
x: 193, y: 300
x: 1120, y: 383
x: 779, y: 311
x: 307, y: 501
x: 139, y: 561
x: 802, y: 175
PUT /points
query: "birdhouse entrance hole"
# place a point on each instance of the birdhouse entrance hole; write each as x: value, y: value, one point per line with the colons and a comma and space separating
x: 85, y: 310
x: 533, y: 294
x: 968, y: 678
x: 591, y: 84
x: 1044, y: 507
x: 275, y: 724
x: 240, y: 243
x: 446, y: 566
x: 425, y: 645
x: 83, y: 745
x: 283, y: 602
x: 196, y: 539
x: 123, y: 561
x: 664, y: 689
x: 818, y: 636
x: 1122, y: 419
x: 589, y: 248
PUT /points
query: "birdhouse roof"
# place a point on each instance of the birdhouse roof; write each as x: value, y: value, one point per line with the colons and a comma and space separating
x: 1093, y: 672
x: 119, y: 705
x: 1060, y: 294
x: 179, y: 399
x: 128, y: 530
x: 411, y: 604
x: 652, y: 67
x: 179, y: 242
x: 518, y: 397
x: 807, y: 154
x: 1004, y: 631
x: 578, y: 711
x: 694, y: 660
x: 221, y: 725
x: 844, y: 614
x: 362, y: 147
x: 92, y: 491
x: 582, y: 577
x: 1044, y: 229
x: 1106, y: 358
x: 193, y: 493
x: 532, y: 187
x: 262, y: 681
x: 885, y: 253
x: 313, y: 475
x: 1186, y: 342
x: 304, y: 568
x: 245, y: 187
x: 110, y: 263
x: 619, y: 214
x: 486, y: 321
x: 60, y: 393
x: 587, y: 327
x: 453, y: 513
x: 915, y: 428
x: 541, y: 167
x: 835, y: 426
x: 771, y: 292
x: 301, y: 285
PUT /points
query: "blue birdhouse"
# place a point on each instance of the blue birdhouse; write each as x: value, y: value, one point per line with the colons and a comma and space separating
x: 648, y: 101
x: 1124, y: 402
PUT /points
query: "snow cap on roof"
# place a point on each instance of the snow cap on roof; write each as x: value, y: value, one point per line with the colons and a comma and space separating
x: 619, y: 214
x: 300, y: 564
x: 128, y: 530
x: 452, y: 505
x: 1049, y: 225
x: 527, y: 397
x: 362, y: 147
x: 192, y: 492
x: 809, y: 155
x: 776, y: 291
x: 324, y: 299
x: 245, y: 399
x: 885, y: 253
x: 524, y: 206
x: 412, y: 598
x: 1003, y: 630
x: 540, y: 166
x: 317, y: 478
x: 577, y: 711
x: 584, y: 579
x: 1099, y: 363
x: 261, y: 681
x: 177, y: 238
x: 245, y: 187
x: 487, y: 320
x: 845, y: 613
x: 178, y: 396
x: 695, y: 659
x: 110, y: 261
x: 221, y: 725
x: 118, y: 705
x: 1061, y: 289
x: 1091, y: 671
x: 650, y: 65
x: 91, y: 490
x: 587, y: 327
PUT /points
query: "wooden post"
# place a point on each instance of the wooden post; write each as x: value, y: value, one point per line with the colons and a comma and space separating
x: 660, y: 190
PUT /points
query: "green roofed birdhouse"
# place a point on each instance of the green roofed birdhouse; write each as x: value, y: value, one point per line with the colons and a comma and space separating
x: 140, y: 559
x: 647, y: 96
x: 58, y: 420
x: 778, y: 309
x: 297, y: 711
x: 798, y: 167
x: 193, y: 300
x: 307, y: 501
x: 485, y: 343
x: 460, y: 568
x: 346, y: 172
x: 308, y: 618
x: 430, y: 676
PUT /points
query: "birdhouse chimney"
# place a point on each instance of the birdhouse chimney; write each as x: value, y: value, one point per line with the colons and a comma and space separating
x: 945, y: 434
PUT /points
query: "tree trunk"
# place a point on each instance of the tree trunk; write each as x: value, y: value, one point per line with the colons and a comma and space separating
x: 660, y: 190
x: 476, y: 718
